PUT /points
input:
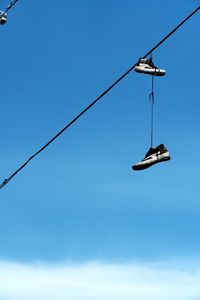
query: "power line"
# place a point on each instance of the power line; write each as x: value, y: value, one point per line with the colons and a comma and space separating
x: 9, y: 7
x: 97, y: 99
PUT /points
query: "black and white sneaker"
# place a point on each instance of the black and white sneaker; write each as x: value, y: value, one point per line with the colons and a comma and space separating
x: 146, y: 66
x: 3, y: 18
x: 153, y: 156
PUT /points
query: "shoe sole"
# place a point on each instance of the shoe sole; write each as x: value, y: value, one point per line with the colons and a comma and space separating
x: 145, y: 164
x: 157, y: 72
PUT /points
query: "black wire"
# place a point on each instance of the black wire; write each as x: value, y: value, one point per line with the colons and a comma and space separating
x: 96, y: 100
x: 168, y: 35
x: 9, y: 7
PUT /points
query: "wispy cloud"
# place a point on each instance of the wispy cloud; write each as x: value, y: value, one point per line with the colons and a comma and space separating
x: 98, y: 281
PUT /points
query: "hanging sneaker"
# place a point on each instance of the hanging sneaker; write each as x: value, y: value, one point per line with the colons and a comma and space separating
x: 146, y: 66
x: 153, y: 156
x: 3, y: 18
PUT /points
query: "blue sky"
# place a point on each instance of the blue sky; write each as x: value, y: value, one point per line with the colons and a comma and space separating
x: 80, y: 201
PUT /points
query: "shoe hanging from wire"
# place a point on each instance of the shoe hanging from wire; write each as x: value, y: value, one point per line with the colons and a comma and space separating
x: 3, y: 14
x: 97, y: 99
x: 159, y: 153
x: 146, y: 66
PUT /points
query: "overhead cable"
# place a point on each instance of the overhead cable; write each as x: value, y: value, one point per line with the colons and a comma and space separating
x: 9, y: 7
x: 97, y: 99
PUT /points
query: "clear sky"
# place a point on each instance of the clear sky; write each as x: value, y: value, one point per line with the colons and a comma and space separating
x: 79, y: 204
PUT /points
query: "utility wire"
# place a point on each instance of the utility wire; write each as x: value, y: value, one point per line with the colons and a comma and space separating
x: 97, y: 99
x: 9, y: 7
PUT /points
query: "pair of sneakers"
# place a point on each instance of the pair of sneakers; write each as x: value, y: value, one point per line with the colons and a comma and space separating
x: 147, y: 66
x: 160, y: 153
x: 153, y: 156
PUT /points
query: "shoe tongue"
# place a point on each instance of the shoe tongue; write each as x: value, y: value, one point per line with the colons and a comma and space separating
x: 161, y: 147
x: 150, y: 151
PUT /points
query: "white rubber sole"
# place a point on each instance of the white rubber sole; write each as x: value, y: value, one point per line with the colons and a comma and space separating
x: 155, y: 72
x: 151, y: 160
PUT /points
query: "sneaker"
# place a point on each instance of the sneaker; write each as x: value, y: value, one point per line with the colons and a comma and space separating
x: 146, y: 66
x: 153, y: 156
x: 3, y: 19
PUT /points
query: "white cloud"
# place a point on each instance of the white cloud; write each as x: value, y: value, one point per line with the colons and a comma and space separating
x: 98, y: 281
